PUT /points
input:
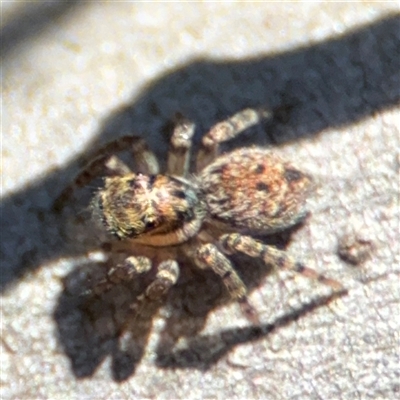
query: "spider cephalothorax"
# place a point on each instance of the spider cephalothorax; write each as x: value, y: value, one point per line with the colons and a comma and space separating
x: 157, y: 210
x: 206, y: 216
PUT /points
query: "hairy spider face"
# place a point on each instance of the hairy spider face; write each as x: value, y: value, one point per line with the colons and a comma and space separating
x: 148, y: 208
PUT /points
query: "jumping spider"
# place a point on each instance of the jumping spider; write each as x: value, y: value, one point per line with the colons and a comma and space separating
x: 158, y: 219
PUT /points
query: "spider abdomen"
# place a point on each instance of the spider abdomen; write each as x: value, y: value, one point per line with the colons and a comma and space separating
x: 254, y: 190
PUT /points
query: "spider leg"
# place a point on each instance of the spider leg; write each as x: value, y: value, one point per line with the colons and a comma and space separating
x: 226, y: 130
x: 166, y: 277
x: 208, y: 256
x: 103, y: 161
x: 144, y: 159
x: 180, y: 144
x: 142, y: 311
x: 115, y: 166
x: 125, y: 272
x: 245, y: 244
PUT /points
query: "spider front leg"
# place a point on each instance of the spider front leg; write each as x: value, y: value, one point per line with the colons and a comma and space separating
x: 166, y: 277
x: 104, y: 162
x: 125, y: 272
x: 270, y: 255
x: 226, y: 130
x: 141, y: 312
x: 180, y: 144
x: 208, y: 256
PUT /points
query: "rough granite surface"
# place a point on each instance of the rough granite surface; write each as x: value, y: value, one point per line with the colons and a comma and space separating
x: 77, y: 74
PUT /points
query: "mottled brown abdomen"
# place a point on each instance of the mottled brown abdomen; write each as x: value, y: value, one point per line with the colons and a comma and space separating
x: 253, y: 190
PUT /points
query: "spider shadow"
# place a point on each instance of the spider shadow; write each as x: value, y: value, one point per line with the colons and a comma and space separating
x: 203, y: 351
x: 91, y: 328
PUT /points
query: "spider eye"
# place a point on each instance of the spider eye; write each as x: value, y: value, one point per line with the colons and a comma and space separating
x: 150, y: 224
